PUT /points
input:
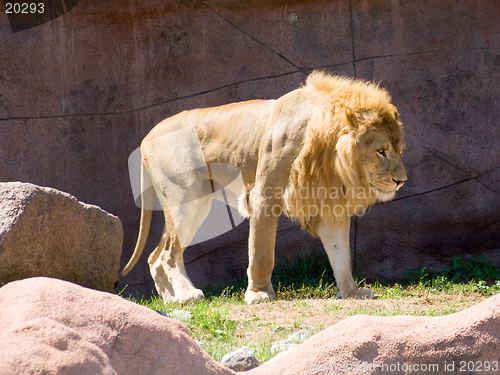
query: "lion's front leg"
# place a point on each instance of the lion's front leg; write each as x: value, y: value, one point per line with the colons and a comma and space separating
x: 335, y: 238
x: 261, y: 243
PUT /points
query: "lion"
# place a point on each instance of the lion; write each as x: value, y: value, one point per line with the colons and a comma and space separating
x: 319, y: 154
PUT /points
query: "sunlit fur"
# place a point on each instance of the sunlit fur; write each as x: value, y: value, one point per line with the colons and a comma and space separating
x: 333, y: 155
x: 333, y: 134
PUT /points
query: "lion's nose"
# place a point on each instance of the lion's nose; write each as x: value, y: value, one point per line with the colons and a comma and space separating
x: 398, y: 183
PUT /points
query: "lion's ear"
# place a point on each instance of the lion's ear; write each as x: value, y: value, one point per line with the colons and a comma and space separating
x: 357, y: 119
x: 394, y: 111
x: 351, y: 119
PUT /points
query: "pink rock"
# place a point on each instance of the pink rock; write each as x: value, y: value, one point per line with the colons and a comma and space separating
x: 53, y: 326
x: 464, y: 342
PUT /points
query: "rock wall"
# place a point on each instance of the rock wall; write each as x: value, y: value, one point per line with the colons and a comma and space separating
x: 77, y: 95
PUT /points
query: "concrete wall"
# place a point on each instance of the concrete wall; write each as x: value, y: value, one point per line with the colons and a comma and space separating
x: 78, y: 94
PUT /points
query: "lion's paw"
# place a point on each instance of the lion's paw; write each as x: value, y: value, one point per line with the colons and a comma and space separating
x: 357, y: 294
x: 190, y: 295
x: 252, y: 297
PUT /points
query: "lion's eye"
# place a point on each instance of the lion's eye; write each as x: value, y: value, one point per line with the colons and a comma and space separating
x: 381, y: 152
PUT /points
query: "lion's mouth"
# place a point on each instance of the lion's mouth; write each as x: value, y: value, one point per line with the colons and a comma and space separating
x: 382, y: 191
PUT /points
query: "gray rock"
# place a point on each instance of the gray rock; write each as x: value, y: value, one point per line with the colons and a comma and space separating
x: 241, y: 359
x: 181, y: 315
x: 291, y: 341
x: 45, y: 232
x: 299, y: 337
x: 282, y: 346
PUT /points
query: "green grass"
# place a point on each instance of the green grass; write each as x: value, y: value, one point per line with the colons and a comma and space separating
x: 209, y: 324
x: 310, y: 278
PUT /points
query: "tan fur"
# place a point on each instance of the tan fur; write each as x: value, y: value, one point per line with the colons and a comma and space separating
x: 320, y: 154
x: 329, y: 158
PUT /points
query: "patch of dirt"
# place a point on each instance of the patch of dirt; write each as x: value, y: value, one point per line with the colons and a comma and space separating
x: 280, y: 318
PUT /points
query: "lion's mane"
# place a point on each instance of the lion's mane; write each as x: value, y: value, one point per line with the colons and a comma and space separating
x: 327, y: 161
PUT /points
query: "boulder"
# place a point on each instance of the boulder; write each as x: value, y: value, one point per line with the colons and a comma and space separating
x: 45, y: 232
x: 50, y: 326
x: 464, y: 342
x: 242, y: 359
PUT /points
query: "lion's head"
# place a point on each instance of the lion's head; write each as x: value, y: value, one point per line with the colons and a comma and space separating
x: 352, y: 152
x: 377, y: 146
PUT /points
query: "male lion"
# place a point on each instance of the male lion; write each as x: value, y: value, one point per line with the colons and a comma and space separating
x: 319, y: 154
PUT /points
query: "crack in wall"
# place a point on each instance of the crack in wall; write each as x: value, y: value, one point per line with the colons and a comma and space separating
x: 448, y: 186
x: 469, y: 171
x: 298, y: 70
x: 118, y: 113
x: 429, y: 52
x: 280, y: 55
x: 485, y: 185
x: 151, y: 105
x: 476, y: 175
x: 449, y: 160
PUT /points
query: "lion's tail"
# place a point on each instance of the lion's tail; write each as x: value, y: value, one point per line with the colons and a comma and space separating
x: 147, y: 202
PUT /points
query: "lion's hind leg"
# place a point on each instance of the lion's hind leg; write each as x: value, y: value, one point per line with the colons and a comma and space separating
x: 167, y: 261
x: 163, y: 285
